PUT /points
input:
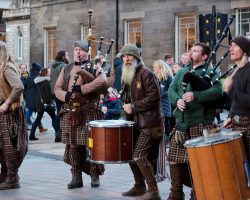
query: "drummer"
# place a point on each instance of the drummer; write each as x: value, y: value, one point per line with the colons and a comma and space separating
x: 197, y: 117
x: 74, y: 129
x: 141, y: 98
x: 238, y: 89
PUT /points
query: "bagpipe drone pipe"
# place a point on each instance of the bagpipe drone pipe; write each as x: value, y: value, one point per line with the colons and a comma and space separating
x: 89, y: 70
x: 204, y: 81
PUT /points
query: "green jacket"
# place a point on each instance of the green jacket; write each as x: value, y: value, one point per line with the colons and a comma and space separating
x: 196, y: 111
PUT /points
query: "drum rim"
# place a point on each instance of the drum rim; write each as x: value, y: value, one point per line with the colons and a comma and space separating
x: 112, y: 125
x: 210, y: 143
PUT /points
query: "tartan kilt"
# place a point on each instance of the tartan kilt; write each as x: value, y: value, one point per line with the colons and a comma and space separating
x: 77, y: 135
x: 177, y: 152
x: 13, y: 137
x: 242, y: 124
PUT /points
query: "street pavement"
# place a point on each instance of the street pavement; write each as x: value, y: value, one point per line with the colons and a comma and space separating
x: 44, y: 175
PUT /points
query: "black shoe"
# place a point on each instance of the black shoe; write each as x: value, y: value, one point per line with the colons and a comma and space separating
x: 57, y: 139
x: 8, y: 186
x: 76, y: 182
x: 31, y: 138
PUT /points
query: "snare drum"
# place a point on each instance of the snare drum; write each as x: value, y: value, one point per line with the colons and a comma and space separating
x: 217, y: 167
x: 111, y: 141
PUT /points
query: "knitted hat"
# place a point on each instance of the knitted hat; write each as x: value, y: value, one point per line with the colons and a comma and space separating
x: 82, y: 44
x: 130, y: 49
x: 36, y: 67
x: 243, y: 43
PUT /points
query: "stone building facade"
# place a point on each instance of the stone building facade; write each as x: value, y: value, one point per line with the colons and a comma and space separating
x: 156, y: 26
x: 17, y: 21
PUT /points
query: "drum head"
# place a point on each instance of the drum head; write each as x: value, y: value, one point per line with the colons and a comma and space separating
x: 111, y: 123
x: 212, y: 139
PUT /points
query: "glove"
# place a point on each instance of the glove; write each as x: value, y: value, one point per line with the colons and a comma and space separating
x: 77, y: 89
x: 68, y: 96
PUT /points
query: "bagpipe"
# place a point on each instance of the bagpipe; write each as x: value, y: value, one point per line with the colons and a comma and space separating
x: 89, y: 70
x: 204, y: 80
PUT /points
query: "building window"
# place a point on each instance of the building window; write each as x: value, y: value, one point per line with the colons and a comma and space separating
x: 50, y: 47
x: 133, y: 33
x: 185, y: 25
x: 20, y: 46
x: 243, y: 22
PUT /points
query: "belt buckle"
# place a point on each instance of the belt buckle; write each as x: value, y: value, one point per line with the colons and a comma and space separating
x: 237, y: 118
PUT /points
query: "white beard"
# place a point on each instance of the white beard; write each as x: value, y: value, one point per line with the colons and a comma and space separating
x: 128, y: 72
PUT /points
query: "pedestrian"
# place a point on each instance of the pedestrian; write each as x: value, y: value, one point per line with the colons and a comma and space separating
x: 13, y: 133
x: 80, y: 107
x: 192, y: 116
x: 164, y: 74
x: 237, y: 87
x: 118, y: 72
x: 176, y: 67
x: 169, y: 59
x: 62, y: 58
x: 112, y: 106
x: 23, y: 68
x: 185, y: 59
x: 141, y: 98
x: 30, y: 93
x: 44, y: 103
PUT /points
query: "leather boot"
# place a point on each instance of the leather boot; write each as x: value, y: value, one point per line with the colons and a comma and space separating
x: 42, y: 129
x: 95, y: 181
x: 11, y: 181
x: 139, y: 187
x: 186, y: 175
x: 76, y: 181
x: 176, y: 190
x: 8, y: 186
x: 148, y: 172
x: 3, y: 173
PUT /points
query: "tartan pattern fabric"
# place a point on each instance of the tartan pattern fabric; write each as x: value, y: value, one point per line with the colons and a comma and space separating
x: 76, y: 157
x: 14, y: 141
x: 243, y: 125
x: 77, y: 135
x: 177, y: 152
x: 143, y: 144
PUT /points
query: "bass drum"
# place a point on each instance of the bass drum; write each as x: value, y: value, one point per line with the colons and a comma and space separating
x: 217, y: 167
x: 111, y: 141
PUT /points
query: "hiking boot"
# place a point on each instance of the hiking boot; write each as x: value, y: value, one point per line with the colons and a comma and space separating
x: 8, y: 186
x: 135, y: 191
x: 95, y: 181
x: 76, y: 182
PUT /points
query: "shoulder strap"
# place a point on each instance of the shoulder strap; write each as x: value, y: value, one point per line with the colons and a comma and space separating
x: 67, y: 70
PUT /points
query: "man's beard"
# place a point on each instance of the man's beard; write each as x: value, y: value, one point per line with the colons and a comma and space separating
x: 128, y: 72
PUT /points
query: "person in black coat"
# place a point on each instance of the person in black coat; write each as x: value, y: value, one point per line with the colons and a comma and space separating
x: 44, y: 102
x: 30, y: 95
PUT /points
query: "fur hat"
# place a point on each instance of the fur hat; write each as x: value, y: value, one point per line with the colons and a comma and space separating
x: 130, y: 49
x: 36, y: 67
x: 243, y: 43
x: 82, y: 44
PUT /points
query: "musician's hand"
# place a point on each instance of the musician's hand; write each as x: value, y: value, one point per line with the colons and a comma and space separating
x: 4, y: 107
x: 227, y: 123
x: 181, y: 104
x: 68, y: 96
x: 76, y: 89
x: 228, y: 84
x: 127, y: 108
x: 104, y: 109
x: 188, y: 96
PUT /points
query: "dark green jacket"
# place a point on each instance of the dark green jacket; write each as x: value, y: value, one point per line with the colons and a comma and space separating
x: 196, y: 111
